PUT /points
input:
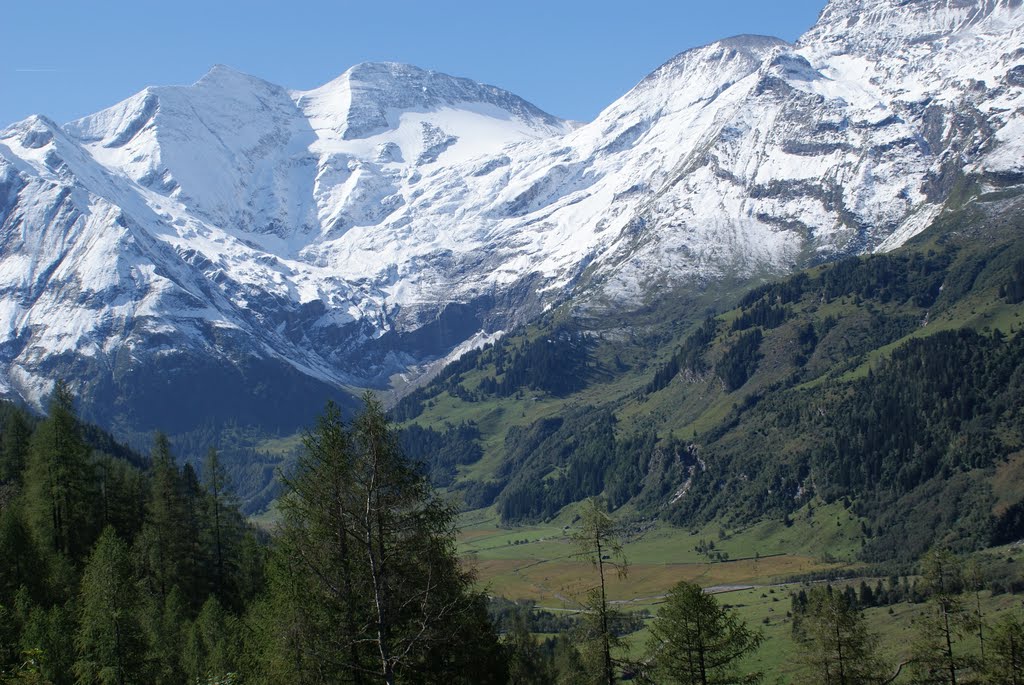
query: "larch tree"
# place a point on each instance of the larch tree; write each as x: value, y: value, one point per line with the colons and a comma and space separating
x: 22, y: 566
x: 940, y: 655
x: 1004, y: 663
x: 213, y: 644
x: 163, y: 546
x: 14, y: 444
x: 837, y: 647
x: 315, y: 623
x: 527, y: 662
x: 58, y: 481
x: 599, y: 540
x: 696, y: 641
x: 366, y: 584
x: 110, y: 641
x: 223, y: 528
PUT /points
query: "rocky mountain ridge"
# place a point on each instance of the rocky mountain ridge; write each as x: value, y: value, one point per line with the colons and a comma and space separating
x: 238, y: 235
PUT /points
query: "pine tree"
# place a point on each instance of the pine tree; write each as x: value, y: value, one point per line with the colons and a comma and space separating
x: 695, y: 641
x: 110, y: 642
x: 836, y: 645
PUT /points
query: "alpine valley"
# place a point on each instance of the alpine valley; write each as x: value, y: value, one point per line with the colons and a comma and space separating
x: 221, y: 258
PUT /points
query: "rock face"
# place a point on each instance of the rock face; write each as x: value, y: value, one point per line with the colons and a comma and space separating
x: 239, y: 249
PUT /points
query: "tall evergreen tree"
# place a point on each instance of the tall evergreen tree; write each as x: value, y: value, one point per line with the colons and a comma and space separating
x: 599, y: 540
x: 162, y: 547
x: 1004, y: 664
x: 695, y: 641
x: 365, y: 582
x: 110, y: 641
x: 59, y: 482
x: 837, y: 647
x: 940, y: 656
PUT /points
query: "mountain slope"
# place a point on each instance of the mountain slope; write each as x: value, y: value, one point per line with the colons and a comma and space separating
x: 334, y: 238
x: 889, y: 382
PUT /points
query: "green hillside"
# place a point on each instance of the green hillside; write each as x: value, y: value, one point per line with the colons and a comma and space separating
x: 886, y: 382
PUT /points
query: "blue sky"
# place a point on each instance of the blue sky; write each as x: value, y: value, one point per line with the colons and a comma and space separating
x: 69, y: 58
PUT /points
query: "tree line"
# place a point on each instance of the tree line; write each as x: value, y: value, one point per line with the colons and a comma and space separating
x: 557, y: 363
x: 116, y: 570
x: 120, y: 571
x: 906, y: 442
x: 952, y: 641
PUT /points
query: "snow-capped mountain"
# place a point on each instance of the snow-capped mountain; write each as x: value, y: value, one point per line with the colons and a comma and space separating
x: 236, y: 247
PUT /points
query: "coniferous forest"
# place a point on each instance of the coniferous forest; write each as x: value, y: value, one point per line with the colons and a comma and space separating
x: 826, y: 389
x: 127, y: 569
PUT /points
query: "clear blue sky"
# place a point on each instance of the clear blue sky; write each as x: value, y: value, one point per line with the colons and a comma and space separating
x: 69, y: 58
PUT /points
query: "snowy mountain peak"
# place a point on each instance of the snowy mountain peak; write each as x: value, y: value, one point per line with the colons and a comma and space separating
x: 367, y: 227
x: 739, y: 53
x: 221, y: 73
x: 863, y: 25
x: 696, y: 75
x: 33, y: 132
x: 367, y: 98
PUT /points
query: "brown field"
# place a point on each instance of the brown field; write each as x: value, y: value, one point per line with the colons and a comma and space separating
x: 563, y: 582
